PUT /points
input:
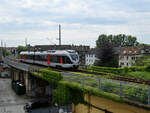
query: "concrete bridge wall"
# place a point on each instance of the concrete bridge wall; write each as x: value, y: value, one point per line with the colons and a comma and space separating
x: 105, y: 104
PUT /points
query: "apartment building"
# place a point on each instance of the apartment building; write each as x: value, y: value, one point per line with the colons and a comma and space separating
x: 128, y: 56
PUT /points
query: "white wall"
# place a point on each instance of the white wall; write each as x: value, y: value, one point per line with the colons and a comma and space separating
x: 90, y: 59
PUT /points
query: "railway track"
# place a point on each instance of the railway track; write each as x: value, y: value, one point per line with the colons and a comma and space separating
x: 120, y: 78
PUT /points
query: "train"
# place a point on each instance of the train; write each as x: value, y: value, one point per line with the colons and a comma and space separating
x: 52, y: 58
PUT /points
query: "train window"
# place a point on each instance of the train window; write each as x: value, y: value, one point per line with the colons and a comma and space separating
x: 30, y: 57
x: 27, y: 56
x: 66, y: 60
x: 36, y: 57
x: 53, y: 59
x: 22, y: 56
x: 43, y: 57
x: 58, y: 59
x: 74, y: 57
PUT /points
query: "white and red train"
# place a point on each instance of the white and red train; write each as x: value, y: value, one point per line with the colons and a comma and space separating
x: 52, y: 58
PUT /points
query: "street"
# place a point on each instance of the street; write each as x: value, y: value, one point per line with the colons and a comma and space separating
x: 9, y: 101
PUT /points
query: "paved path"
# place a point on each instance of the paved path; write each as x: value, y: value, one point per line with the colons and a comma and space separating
x: 9, y: 101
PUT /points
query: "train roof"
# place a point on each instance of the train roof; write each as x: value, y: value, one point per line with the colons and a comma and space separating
x: 49, y: 52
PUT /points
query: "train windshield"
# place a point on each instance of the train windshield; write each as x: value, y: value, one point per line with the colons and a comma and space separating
x: 74, y: 57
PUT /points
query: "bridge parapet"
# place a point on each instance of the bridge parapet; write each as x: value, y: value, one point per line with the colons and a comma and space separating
x: 16, y: 64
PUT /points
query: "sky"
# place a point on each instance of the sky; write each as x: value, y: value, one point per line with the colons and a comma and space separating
x: 82, y: 21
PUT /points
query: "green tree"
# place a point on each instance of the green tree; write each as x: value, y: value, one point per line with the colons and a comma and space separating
x: 105, y: 53
x: 143, y: 61
x: 120, y: 40
x: 5, y: 52
x: 21, y: 48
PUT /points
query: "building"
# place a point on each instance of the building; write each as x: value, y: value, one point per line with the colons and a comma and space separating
x: 4, y: 71
x: 81, y: 49
x: 1, y: 55
x: 12, y: 50
x: 129, y: 55
x: 90, y: 57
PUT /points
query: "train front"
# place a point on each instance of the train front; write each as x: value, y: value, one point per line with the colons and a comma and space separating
x: 75, y: 59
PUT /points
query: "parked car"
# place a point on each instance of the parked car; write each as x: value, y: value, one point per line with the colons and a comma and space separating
x: 38, y: 103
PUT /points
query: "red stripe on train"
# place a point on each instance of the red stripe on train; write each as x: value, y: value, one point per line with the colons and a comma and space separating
x: 48, y: 59
x: 61, y: 60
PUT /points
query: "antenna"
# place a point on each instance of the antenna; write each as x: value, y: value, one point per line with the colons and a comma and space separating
x: 26, y: 41
x: 59, y: 34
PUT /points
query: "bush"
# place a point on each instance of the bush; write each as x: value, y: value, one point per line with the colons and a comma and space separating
x: 105, y: 69
x: 62, y: 95
x: 147, y: 68
x: 117, y: 71
x: 52, y: 77
x: 125, y: 69
x: 66, y: 93
x: 136, y: 94
x: 136, y: 68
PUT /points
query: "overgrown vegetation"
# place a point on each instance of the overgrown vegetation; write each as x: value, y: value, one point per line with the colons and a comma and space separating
x: 52, y: 77
x: 73, y: 92
x: 144, y: 60
x: 5, y: 52
x: 139, y: 72
x: 140, y: 75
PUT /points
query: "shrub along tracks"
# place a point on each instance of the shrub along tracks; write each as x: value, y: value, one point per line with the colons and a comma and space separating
x: 113, y: 77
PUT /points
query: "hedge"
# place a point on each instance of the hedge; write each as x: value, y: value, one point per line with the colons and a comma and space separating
x: 68, y: 92
x: 52, y: 77
x: 115, y: 70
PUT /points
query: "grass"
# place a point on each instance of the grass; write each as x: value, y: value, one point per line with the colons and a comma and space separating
x: 140, y: 75
x: 137, y: 74
x: 97, y: 76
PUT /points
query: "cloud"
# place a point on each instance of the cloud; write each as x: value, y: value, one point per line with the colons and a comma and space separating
x: 82, y: 21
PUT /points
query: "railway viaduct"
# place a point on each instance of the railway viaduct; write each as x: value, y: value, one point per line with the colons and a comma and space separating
x: 38, y: 87
x: 20, y: 71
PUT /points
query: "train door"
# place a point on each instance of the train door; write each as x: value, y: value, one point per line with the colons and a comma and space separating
x: 61, y: 60
x: 48, y: 59
x: 24, y: 57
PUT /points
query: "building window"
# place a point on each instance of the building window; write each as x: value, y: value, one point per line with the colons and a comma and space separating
x: 122, y: 64
x: 127, y: 57
x: 133, y: 58
x: 124, y: 52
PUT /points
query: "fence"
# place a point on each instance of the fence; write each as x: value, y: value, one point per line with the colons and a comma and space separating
x: 130, y: 91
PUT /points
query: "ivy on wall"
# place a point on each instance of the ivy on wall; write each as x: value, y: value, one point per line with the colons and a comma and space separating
x: 68, y: 93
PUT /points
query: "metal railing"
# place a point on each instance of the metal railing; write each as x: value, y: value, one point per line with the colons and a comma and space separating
x: 130, y: 91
